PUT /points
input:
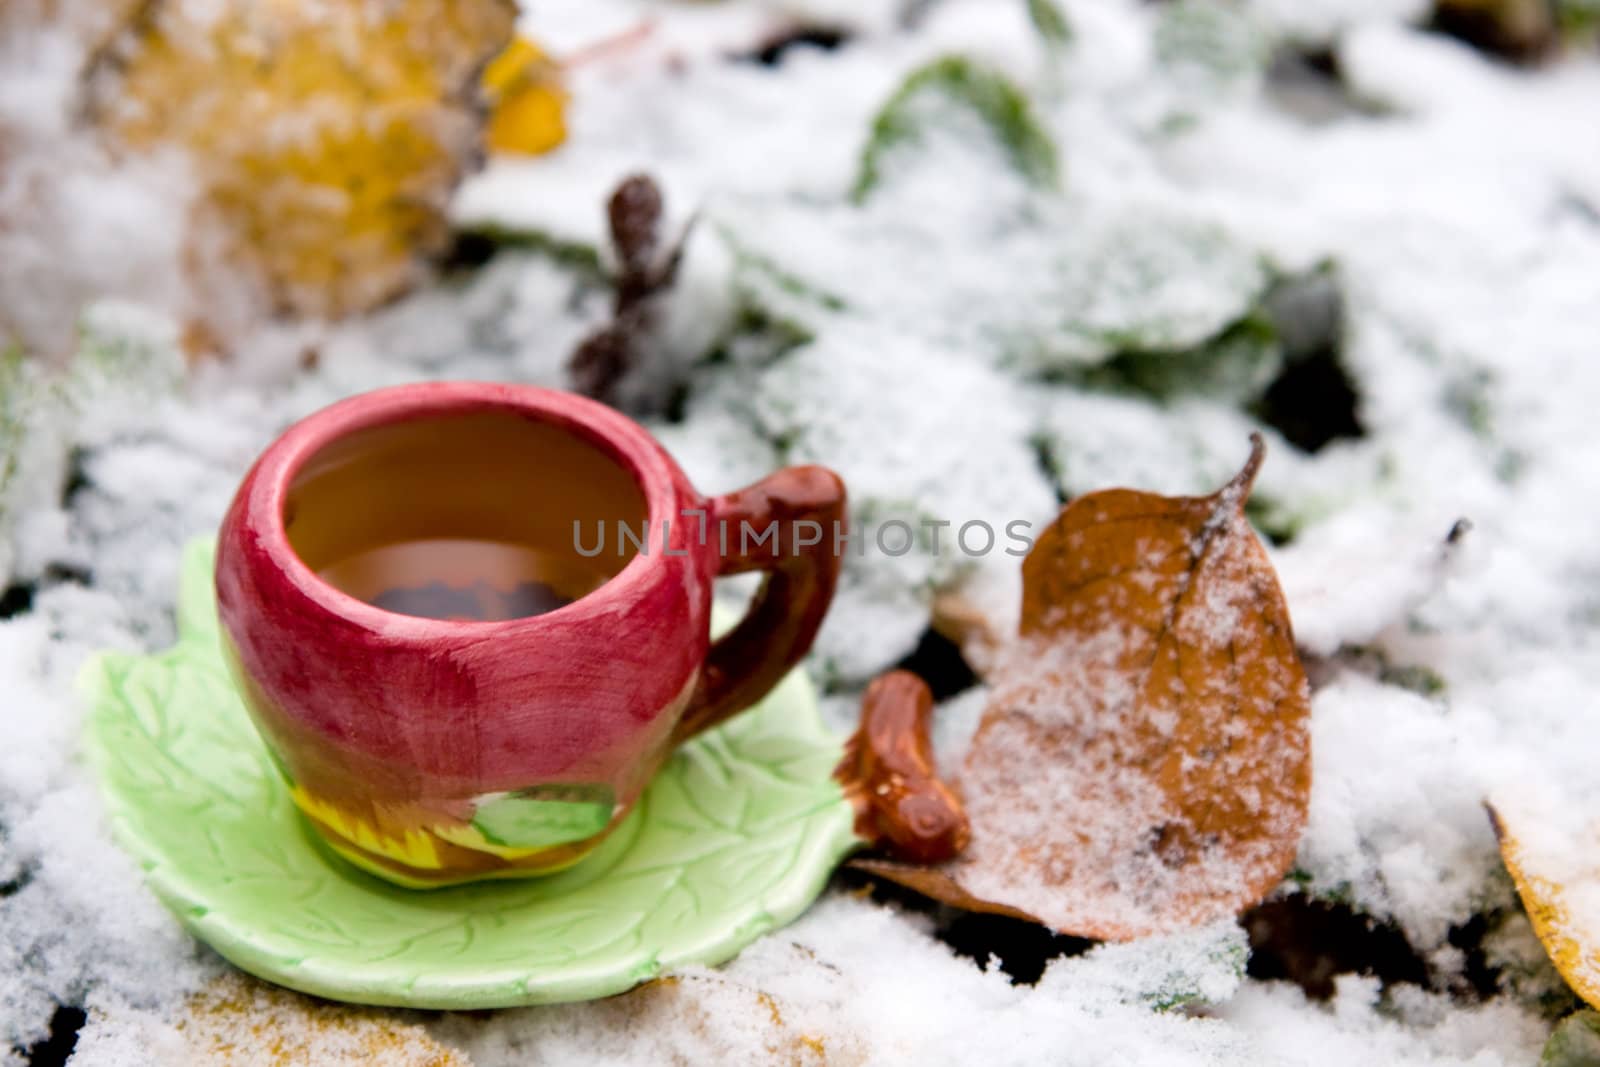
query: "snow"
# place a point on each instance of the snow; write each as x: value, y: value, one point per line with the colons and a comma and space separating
x: 1417, y: 1028
x: 854, y: 982
x: 938, y: 344
x: 75, y: 223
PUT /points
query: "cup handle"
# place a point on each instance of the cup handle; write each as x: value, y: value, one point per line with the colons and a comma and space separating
x: 786, y: 525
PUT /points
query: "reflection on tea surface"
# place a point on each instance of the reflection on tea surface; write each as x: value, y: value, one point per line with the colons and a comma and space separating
x: 458, y: 578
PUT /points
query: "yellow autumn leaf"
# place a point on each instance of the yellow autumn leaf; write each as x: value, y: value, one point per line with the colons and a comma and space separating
x: 527, y: 101
x: 1557, y: 875
x: 326, y: 137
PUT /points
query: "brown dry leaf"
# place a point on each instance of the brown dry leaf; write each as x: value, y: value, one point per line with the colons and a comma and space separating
x: 1557, y: 874
x: 1144, y: 764
x: 238, y: 1021
x: 326, y: 138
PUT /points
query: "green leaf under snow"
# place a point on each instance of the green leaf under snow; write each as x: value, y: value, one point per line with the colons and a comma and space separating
x: 1234, y: 366
x: 923, y: 105
x: 1152, y: 281
x: 536, y: 818
x: 1203, y: 965
x: 480, y: 241
x: 766, y: 285
x: 1575, y: 1042
x: 1217, y: 42
x: 1051, y: 22
x: 125, y: 360
x: 1578, y: 17
x: 12, y: 406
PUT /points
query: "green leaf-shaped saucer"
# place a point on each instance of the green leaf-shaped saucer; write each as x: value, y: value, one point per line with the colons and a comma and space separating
x: 736, y: 836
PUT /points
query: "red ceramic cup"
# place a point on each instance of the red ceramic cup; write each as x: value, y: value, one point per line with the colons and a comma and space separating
x: 436, y: 750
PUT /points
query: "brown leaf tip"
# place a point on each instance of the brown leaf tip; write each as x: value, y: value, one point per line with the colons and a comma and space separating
x: 1245, y: 480
x: 1230, y: 499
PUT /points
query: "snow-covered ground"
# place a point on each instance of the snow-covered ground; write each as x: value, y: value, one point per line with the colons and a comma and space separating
x: 1394, y: 273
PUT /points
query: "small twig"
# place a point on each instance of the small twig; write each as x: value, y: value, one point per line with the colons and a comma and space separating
x: 605, y: 357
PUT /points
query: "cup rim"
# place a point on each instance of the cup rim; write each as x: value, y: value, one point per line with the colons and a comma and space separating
x: 621, y: 439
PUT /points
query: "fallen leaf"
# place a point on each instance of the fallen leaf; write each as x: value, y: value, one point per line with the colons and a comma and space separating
x: 527, y: 102
x: 1144, y: 764
x: 1557, y: 874
x: 326, y: 139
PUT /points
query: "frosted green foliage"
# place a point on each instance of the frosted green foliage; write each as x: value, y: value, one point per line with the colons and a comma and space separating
x: 12, y: 385
x: 1201, y: 966
x: 1188, y: 446
x: 1142, y: 281
x: 1234, y: 366
x: 124, y: 353
x: 1051, y: 22
x: 1296, y: 317
x: 1210, y: 44
x: 814, y: 265
x: 125, y: 361
x: 581, y: 257
x: 1319, y: 24
x: 1575, y: 1043
x: 1185, y: 445
x: 1059, y: 287
x: 942, y: 99
x: 762, y: 284
x: 1515, y: 953
x: 1578, y: 16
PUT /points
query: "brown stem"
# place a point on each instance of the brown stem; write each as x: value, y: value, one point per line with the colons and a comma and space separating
x: 889, y: 775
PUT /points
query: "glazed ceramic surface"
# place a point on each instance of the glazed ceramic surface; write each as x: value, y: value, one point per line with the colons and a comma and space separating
x: 736, y: 835
x: 433, y: 751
